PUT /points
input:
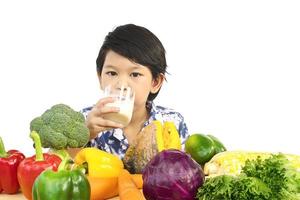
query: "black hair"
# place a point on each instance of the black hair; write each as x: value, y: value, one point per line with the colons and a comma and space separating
x: 139, y: 45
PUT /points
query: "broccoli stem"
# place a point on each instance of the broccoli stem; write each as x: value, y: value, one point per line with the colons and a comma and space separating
x: 38, y: 146
x: 3, y: 153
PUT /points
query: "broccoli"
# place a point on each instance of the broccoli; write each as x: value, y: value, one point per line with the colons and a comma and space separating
x: 61, y: 127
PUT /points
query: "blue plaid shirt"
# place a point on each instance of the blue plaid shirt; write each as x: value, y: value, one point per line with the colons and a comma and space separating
x: 114, y: 141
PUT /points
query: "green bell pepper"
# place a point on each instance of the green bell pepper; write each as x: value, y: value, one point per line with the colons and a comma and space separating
x: 65, y: 184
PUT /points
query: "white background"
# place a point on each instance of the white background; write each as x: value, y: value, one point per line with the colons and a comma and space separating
x: 234, y: 65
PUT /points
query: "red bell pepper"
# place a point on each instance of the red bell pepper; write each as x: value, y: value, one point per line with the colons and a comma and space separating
x: 30, y: 168
x: 9, y: 162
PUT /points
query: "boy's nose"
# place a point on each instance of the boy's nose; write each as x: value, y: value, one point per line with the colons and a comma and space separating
x: 122, y: 84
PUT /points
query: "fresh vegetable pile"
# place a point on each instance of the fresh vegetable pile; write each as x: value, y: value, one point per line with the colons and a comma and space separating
x: 273, y: 178
x: 59, y: 128
x: 156, y: 161
x: 92, y: 175
x: 106, y: 175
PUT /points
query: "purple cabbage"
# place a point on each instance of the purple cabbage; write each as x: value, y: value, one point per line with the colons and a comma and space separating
x: 172, y: 175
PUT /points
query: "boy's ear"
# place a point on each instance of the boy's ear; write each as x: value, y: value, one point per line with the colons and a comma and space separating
x: 157, y: 83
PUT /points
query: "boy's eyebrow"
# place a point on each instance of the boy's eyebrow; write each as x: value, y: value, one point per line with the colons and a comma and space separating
x: 136, y: 67
x: 114, y: 67
x: 109, y: 66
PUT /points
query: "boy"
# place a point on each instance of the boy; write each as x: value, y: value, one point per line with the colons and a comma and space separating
x: 131, y: 56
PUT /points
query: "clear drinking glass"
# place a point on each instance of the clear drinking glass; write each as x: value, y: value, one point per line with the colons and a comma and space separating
x: 124, y: 100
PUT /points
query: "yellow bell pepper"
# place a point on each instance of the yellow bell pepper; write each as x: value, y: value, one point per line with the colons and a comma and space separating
x: 100, y: 163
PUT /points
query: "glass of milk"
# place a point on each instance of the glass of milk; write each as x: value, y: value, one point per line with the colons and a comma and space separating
x: 124, y: 100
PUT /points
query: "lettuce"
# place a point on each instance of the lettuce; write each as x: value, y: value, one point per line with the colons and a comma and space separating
x: 228, y: 187
x: 278, y: 173
x: 271, y: 179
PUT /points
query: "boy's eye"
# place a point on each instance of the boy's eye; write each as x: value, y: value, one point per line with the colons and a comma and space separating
x: 111, y: 73
x: 135, y: 74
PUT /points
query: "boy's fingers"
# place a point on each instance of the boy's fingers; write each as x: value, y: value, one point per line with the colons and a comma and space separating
x: 95, y: 117
x: 104, y: 101
x: 106, y: 109
x: 108, y: 123
x: 103, y: 123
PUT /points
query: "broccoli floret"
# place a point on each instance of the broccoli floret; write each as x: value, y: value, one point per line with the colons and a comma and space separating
x: 64, y: 109
x: 52, y: 139
x: 59, y: 122
x: 44, y: 131
x: 76, y: 139
x: 61, y: 127
x: 36, y: 124
x: 77, y: 116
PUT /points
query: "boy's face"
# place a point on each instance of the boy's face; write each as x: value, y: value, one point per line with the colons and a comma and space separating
x: 118, y: 70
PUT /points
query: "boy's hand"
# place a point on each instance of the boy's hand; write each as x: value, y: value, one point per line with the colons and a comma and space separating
x: 95, y: 121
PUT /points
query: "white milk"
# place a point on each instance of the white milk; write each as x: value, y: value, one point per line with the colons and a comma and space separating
x: 124, y: 101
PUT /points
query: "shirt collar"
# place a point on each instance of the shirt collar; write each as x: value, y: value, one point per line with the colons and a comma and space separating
x: 152, y: 112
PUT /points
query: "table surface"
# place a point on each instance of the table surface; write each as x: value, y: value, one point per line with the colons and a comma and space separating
x: 20, y: 196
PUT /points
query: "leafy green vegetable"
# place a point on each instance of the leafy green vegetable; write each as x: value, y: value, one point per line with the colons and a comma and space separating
x: 277, y: 173
x: 250, y: 188
x: 217, y: 188
x: 228, y: 187
x: 271, y: 179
